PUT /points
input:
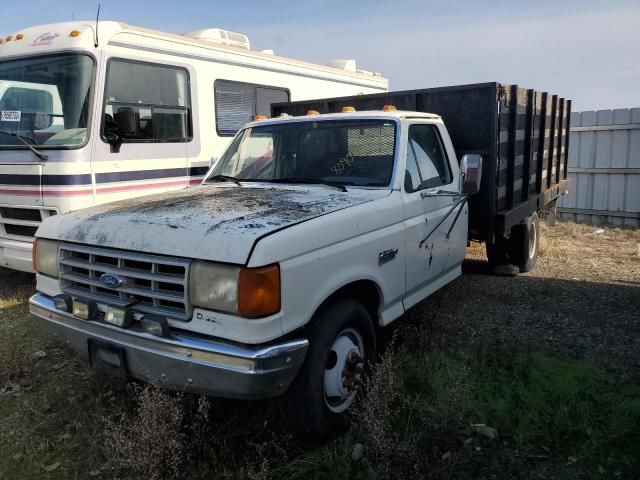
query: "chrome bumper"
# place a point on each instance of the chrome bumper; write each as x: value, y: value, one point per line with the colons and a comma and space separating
x: 182, y: 362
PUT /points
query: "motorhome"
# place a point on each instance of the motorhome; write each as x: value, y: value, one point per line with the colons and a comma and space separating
x: 93, y: 112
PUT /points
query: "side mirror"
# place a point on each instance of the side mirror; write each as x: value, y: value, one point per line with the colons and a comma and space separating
x: 125, y: 120
x: 471, y: 173
x: 122, y: 126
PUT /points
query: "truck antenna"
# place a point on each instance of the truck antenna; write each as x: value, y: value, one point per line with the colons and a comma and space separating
x: 97, y: 18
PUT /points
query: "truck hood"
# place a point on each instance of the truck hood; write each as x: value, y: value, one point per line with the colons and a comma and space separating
x: 218, y: 222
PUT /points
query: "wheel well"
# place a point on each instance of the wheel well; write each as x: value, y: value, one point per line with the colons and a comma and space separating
x: 364, y: 291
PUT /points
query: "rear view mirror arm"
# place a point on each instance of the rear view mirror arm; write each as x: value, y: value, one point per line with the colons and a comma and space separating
x: 115, y: 142
x: 458, y: 202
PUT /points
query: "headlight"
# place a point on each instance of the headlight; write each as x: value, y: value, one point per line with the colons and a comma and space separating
x: 45, y: 257
x: 214, y: 286
x: 250, y: 292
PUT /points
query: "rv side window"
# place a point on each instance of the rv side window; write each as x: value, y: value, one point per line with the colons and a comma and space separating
x: 155, y: 97
x: 237, y: 103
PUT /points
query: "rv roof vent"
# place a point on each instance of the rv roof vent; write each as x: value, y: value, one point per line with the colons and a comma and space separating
x: 343, y: 64
x: 223, y: 37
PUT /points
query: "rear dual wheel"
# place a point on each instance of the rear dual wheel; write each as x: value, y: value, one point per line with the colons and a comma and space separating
x: 520, y: 248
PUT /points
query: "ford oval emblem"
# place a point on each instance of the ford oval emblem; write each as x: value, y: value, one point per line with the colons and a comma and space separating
x: 110, y: 280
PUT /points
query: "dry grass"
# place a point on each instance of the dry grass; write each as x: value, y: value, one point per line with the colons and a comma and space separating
x: 577, y: 251
x: 15, y: 288
x: 391, y: 451
x: 150, y: 442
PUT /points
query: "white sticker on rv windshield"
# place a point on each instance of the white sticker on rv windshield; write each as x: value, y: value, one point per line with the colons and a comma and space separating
x: 10, y: 116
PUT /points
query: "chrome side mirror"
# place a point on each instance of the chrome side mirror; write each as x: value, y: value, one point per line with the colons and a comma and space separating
x: 471, y: 173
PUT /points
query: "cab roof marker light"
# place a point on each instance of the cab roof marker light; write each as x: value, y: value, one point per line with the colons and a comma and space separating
x: 9, y: 38
x: 20, y: 36
x: 74, y: 33
x: 389, y: 108
x: 313, y: 112
x: 348, y: 110
x: 260, y: 117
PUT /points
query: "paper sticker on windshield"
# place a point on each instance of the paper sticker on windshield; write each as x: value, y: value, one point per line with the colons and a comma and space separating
x: 10, y: 116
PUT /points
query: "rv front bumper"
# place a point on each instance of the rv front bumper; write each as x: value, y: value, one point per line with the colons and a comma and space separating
x: 16, y: 254
x: 180, y: 362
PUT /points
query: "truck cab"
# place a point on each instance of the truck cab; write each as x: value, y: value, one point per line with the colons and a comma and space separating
x: 271, y: 277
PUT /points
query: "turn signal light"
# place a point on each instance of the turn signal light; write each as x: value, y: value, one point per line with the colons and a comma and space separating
x: 389, y: 108
x: 259, y: 291
x: 313, y: 112
x: 348, y: 109
x: 74, y: 33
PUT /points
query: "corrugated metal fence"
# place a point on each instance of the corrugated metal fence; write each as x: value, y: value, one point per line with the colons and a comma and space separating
x: 604, y: 168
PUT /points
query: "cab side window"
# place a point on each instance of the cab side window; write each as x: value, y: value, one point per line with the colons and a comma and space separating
x: 427, y: 164
x: 154, y: 98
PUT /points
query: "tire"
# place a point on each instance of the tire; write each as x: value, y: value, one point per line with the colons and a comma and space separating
x: 524, y: 243
x: 311, y: 414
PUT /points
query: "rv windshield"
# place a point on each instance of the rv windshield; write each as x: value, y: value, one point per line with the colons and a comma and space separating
x: 344, y: 152
x: 45, y: 100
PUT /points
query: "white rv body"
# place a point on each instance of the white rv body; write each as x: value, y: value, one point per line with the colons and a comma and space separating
x: 213, y: 86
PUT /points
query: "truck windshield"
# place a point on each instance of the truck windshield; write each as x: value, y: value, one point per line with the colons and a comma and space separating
x: 347, y: 152
x: 45, y: 100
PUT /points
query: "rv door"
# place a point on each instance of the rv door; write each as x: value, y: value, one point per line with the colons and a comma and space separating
x: 145, y: 130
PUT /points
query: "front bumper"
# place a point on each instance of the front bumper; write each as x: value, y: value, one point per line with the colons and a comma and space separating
x: 182, y: 362
x: 16, y: 254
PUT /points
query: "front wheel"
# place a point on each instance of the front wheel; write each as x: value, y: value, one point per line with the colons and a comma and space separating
x: 342, y: 344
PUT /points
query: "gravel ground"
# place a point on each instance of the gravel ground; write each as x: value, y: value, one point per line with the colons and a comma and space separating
x: 582, y: 299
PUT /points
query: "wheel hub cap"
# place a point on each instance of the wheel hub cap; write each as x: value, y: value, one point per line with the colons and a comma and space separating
x: 343, y: 371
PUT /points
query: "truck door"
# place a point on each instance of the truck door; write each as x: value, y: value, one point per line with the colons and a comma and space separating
x: 427, y: 171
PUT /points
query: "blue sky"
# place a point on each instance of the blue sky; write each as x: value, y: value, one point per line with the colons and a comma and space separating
x: 585, y: 50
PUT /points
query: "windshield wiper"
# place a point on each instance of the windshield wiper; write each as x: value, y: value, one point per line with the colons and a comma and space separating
x: 35, y: 151
x: 312, y: 181
x: 223, y: 178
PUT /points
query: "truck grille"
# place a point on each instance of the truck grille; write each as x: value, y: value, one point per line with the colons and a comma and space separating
x: 152, y: 284
x: 22, y: 221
